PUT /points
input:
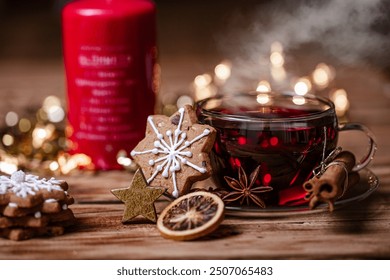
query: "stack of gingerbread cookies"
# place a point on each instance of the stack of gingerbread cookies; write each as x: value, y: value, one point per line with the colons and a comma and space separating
x: 32, y: 207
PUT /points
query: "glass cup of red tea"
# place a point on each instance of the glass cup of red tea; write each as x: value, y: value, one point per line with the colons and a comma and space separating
x: 287, y: 135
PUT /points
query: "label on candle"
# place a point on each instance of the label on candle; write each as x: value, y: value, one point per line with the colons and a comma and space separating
x: 105, y: 85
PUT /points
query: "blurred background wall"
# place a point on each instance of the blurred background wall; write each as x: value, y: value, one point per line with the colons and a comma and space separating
x: 31, y: 29
x: 194, y: 36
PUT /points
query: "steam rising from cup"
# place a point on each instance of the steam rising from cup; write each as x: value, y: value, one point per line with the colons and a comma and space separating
x: 343, y: 30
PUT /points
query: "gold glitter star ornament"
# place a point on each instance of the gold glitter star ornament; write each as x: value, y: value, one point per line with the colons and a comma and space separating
x: 139, y: 198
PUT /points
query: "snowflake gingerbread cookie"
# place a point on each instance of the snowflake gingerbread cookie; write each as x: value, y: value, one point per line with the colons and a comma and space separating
x: 174, y: 152
x: 32, y: 206
x: 22, y: 184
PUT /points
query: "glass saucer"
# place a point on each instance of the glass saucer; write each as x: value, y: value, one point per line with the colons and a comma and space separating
x: 367, y: 185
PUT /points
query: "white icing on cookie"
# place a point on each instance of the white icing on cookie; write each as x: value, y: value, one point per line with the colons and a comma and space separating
x: 12, y: 205
x: 173, y: 154
x: 26, y: 184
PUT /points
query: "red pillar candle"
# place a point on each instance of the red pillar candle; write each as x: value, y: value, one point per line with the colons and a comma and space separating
x: 109, y: 53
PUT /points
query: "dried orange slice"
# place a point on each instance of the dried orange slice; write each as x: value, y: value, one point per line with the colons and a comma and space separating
x: 191, y: 216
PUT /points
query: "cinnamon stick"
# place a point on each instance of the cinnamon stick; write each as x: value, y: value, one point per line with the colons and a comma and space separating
x: 333, y: 183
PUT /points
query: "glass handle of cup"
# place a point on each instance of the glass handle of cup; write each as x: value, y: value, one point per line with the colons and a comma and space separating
x: 372, y: 147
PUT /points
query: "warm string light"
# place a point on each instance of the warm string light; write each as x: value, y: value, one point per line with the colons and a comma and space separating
x: 53, y: 109
x: 340, y: 100
x: 124, y: 160
x: 263, y: 86
x: 11, y: 119
x: 37, y: 142
x: 302, y: 86
x: 323, y: 75
x: 67, y: 163
x: 320, y: 81
x: 298, y: 100
x: 207, y: 85
x: 8, y: 163
x: 204, y: 87
x: 223, y: 72
x: 277, y: 62
x: 263, y: 98
x: 202, y: 81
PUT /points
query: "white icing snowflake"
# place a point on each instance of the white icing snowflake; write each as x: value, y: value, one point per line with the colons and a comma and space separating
x: 3, y: 188
x: 172, y: 154
x: 26, y: 184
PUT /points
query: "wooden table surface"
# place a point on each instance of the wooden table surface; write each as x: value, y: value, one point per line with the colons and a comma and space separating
x: 357, y: 231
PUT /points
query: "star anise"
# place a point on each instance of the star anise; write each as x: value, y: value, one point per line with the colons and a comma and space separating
x: 244, y: 190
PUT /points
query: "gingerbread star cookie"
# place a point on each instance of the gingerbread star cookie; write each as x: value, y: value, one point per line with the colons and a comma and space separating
x: 139, y: 198
x: 174, y: 152
x: 31, y: 206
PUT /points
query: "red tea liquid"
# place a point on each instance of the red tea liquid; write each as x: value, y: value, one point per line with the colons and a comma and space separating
x: 286, y: 150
